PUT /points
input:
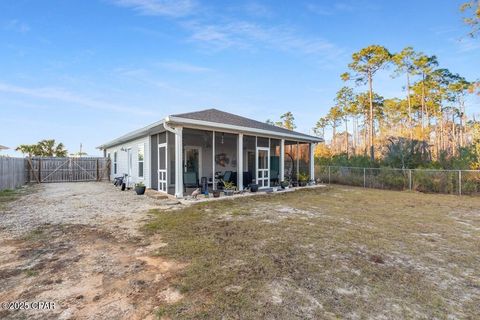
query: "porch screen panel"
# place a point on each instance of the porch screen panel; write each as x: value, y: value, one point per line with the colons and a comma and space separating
x: 197, y: 153
x: 226, y: 156
x: 248, y: 159
x: 262, y: 142
x: 161, y: 159
x: 171, y: 162
x: 291, y: 155
x: 162, y: 137
x: 304, y: 159
x: 274, y: 162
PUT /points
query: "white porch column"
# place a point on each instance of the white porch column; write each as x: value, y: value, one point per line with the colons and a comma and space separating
x: 312, y: 161
x: 179, y: 162
x: 282, y: 160
x: 240, y: 162
x: 214, y: 184
x: 298, y: 160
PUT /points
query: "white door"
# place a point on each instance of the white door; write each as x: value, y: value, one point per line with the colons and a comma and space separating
x: 162, y: 168
x: 263, y: 167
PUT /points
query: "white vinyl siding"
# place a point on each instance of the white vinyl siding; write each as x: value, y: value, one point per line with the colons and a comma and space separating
x: 122, y: 160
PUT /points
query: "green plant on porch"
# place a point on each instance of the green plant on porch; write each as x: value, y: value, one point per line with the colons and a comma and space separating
x: 285, y: 183
x: 303, y: 177
x: 228, y: 185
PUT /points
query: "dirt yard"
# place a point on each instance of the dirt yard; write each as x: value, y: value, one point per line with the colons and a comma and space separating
x: 323, y: 253
x: 95, y: 204
x: 79, y: 245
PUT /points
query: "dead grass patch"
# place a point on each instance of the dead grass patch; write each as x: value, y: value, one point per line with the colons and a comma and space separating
x: 10, y: 195
x: 335, y: 252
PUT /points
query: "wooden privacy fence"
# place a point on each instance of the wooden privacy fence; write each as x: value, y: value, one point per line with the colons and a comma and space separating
x: 12, y: 173
x: 54, y: 169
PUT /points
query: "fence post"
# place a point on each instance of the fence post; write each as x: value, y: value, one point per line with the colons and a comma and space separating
x: 98, y: 172
x: 410, y: 179
x: 328, y: 174
x: 460, y: 182
x: 39, y: 170
x: 364, y: 178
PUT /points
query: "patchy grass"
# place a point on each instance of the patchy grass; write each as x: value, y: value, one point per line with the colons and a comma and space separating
x: 36, y: 235
x: 9, y: 195
x: 31, y: 273
x: 325, y: 253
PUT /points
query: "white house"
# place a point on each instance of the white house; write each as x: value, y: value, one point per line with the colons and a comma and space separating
x: 184, y: 150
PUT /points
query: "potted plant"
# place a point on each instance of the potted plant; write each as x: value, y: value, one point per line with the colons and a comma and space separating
x: 140, y: 188
x: 303, y: 179
x: 216, y: 193
x: 253, y: 187
x: 229, y: 188
x: 284, y: 184
x: 294, y: 182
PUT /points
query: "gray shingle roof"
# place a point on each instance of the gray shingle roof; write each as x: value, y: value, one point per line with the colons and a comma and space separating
x: 214, y: 115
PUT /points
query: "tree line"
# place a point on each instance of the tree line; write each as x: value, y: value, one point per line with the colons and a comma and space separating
x: 427, y: 126
x: 43, y: 148
x: 431, y: 117
x: 48, y: 148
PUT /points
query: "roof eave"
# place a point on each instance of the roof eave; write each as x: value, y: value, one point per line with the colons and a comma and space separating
x: 131, y: 135
x: 210, y: 124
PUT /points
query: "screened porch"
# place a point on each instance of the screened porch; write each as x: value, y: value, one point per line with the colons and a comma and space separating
x: 212, y: 158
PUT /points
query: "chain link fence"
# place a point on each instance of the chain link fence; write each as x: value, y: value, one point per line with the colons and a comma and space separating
x: 422, y: 180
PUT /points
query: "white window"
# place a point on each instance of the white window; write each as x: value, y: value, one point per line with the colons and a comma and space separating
x: 141, y: 156
x: 115, y: 162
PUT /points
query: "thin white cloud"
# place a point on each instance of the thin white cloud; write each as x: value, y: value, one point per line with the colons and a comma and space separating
x: 217, y: 36
x: 183, y: 67
x: 466, y: 45
x: 328, y: 10
x: 258, y: 10
x: 145, y: 77
x: 251, y: 35
x: 221, y: 32
x: 59, y: 94
x: 16, y: 25
x: 173, y: 8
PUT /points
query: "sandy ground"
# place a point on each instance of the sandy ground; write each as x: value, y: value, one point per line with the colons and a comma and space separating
x: 79, y: 246
x: 95, y: 204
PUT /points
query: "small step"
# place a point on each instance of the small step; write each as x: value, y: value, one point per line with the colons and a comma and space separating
x: 156, y: 195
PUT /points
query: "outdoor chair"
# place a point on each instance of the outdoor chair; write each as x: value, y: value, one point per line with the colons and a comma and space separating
x: 274, y: 179
x: 190, y: 180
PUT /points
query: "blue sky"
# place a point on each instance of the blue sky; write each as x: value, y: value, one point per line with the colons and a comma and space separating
x: 89, y: 71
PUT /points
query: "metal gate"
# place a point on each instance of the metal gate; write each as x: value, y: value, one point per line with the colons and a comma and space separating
x: 52, y: 169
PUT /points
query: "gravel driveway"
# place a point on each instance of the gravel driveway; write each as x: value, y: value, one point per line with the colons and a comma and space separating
x: 80, y: 247
x: 86, y: 203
